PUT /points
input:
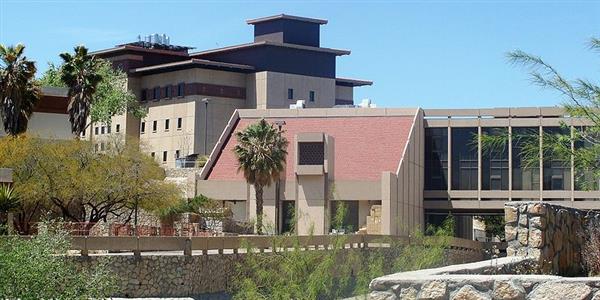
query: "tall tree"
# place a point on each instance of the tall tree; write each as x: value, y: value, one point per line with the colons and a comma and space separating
x: 112, y: 96
x: 18, y: 90
x: 80, y: 73
x: 261, y: 151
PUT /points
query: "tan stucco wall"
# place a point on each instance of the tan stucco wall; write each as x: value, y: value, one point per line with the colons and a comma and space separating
x: 47, y: 125
x: 270, y: 90
x: 344, y: 92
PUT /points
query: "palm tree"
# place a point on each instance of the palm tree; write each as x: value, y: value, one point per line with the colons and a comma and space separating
x: 80, y: 73
x: 18, y: 91
x: 261, y: 151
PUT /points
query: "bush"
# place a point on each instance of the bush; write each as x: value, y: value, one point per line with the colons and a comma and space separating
x: 591, y: 251
x: 38, y: 268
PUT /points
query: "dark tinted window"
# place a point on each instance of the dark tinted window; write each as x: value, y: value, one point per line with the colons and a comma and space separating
x: 143, y: 127
x: 557, y: 172
x: 180, y: 89
x: 526, y: 175
x: 164, y: 156
x: 156, y: 93
x: 168, y: 91
x: 464, y: 159
x: 154, y: 125
x: 311, y: 96
x: 167, y: 124
x: 436, y: 158
x: 143, y: 94
x: 291, y: 94
x: 494, y: 159
x: 311, y: 153
x: 179, y: 123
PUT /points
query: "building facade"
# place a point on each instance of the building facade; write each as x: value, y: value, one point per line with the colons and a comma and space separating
x: 50, y: 118
x: 398, y: 169
x: 191, y: 95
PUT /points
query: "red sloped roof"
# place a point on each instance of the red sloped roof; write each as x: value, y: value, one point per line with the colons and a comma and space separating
x: 364, y: 146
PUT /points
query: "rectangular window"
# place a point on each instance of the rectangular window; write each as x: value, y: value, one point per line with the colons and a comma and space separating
x: 179, y: 123
x: 143, y: 95
x: 494, y: 159
x: 168, y: 91
x: 143, y: 127
x: 102, y: 146
x: 584, y: 177
x: 167, y: 125
x: 152, y: 154
x: 464, y: 158
x: 311, y: 96
x: 291, y: 94
x: 118, y: 128
x: 154, y: 126
x: 96, y: 131
x: 164, y: 156
x: 108, y: 128
x: 525, y: 176
x: 176, y: 153
x: 181, y: 89
x: 436, y: 159
x: 102, y: 130
x: 557, y: 172
x: 311, y: 153
x: 156, y: 93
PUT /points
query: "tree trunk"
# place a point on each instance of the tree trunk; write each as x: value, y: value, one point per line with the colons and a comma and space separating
x: 259, y: 208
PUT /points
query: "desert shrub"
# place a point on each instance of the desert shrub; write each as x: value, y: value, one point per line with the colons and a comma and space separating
x: 38, y: 268
x: 591, y: 251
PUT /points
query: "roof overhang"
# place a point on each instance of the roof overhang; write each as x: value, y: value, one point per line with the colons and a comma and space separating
x: 338, y: 52
x: 352, y: 82
x: 286, y: 17
x: 193, y: 63
x: 125, y: 48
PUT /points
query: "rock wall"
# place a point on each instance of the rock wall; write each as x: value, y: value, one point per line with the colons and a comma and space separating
x: 552, y: 235
x: 179, y: 276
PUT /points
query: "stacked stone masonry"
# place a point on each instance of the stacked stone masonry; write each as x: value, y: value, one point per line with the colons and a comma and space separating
x: 552, y: 235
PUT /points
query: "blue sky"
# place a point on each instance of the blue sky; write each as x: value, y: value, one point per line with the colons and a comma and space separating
x: 432, y: 54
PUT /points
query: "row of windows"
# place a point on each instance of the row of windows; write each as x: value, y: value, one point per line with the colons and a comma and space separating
x: 105, y: 129
x: 494, y: 160
x: 311, y: 95
x: 165, y: 92
x: 167, y: 125
x: 165, y: 155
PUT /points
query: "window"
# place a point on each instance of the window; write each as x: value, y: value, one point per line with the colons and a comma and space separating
x: 176, y: 153
x: 156, y: 93
x: 143, y: 127
x: 168, y: 91
x: 83, y: 133
x: 167, y: 125
x: 164, y: 156
x: 464, y: 158
x: 179, y: 123
x: 143, y: 95
x: 436, y: 159
x: 494, y: 161
x: 291, y: 94
x: 154, y: 125
x: 118, y: 128
x: 181, y: 89
x: 108, y: 128
x: 102, y: 146
x: 557, y: 173
x: 102, y: 130
x: 524, y: 178
x: 96, y: 131
x: 311, y: 153
x: 311, y: 96
x: 152, y: 154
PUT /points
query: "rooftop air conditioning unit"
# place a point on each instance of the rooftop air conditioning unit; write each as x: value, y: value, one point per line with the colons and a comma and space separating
x: 366, y: 103
x: 299, y: 104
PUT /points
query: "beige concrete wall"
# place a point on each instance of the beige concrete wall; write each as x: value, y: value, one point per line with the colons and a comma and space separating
x: 194, y: 75
x: 311, y: 205
x: 270, y: 90
x: 47, y: 125
x: 344, y: 92
x: 402, y: 193
x: 219, y: 112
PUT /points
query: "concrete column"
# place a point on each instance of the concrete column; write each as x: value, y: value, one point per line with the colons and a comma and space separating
x: 390, y: 211
x: 310, y: 208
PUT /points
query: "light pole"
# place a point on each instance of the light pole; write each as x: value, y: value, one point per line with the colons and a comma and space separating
x: 279, y: 124
x: 205, y: 101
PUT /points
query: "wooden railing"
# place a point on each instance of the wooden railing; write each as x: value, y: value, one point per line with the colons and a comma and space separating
x: 237, y: 244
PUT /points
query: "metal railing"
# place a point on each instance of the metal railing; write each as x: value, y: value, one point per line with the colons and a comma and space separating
x: 237, y: 244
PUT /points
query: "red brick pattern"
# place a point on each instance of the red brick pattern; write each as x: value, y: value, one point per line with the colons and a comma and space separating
x: 364, y: 146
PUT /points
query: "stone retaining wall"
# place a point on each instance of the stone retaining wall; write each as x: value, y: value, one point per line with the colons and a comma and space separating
x: 459, y: 282
x: 552, y: 235
x: 178, y: 275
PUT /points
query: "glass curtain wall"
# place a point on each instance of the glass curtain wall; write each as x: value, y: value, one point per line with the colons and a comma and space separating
x: 464, y: 158
x: 436, y: 158
x: 494, y: 159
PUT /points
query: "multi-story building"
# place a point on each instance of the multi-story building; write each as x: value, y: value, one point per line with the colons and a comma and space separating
x: 397, y: 169
x: 191, y: 96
